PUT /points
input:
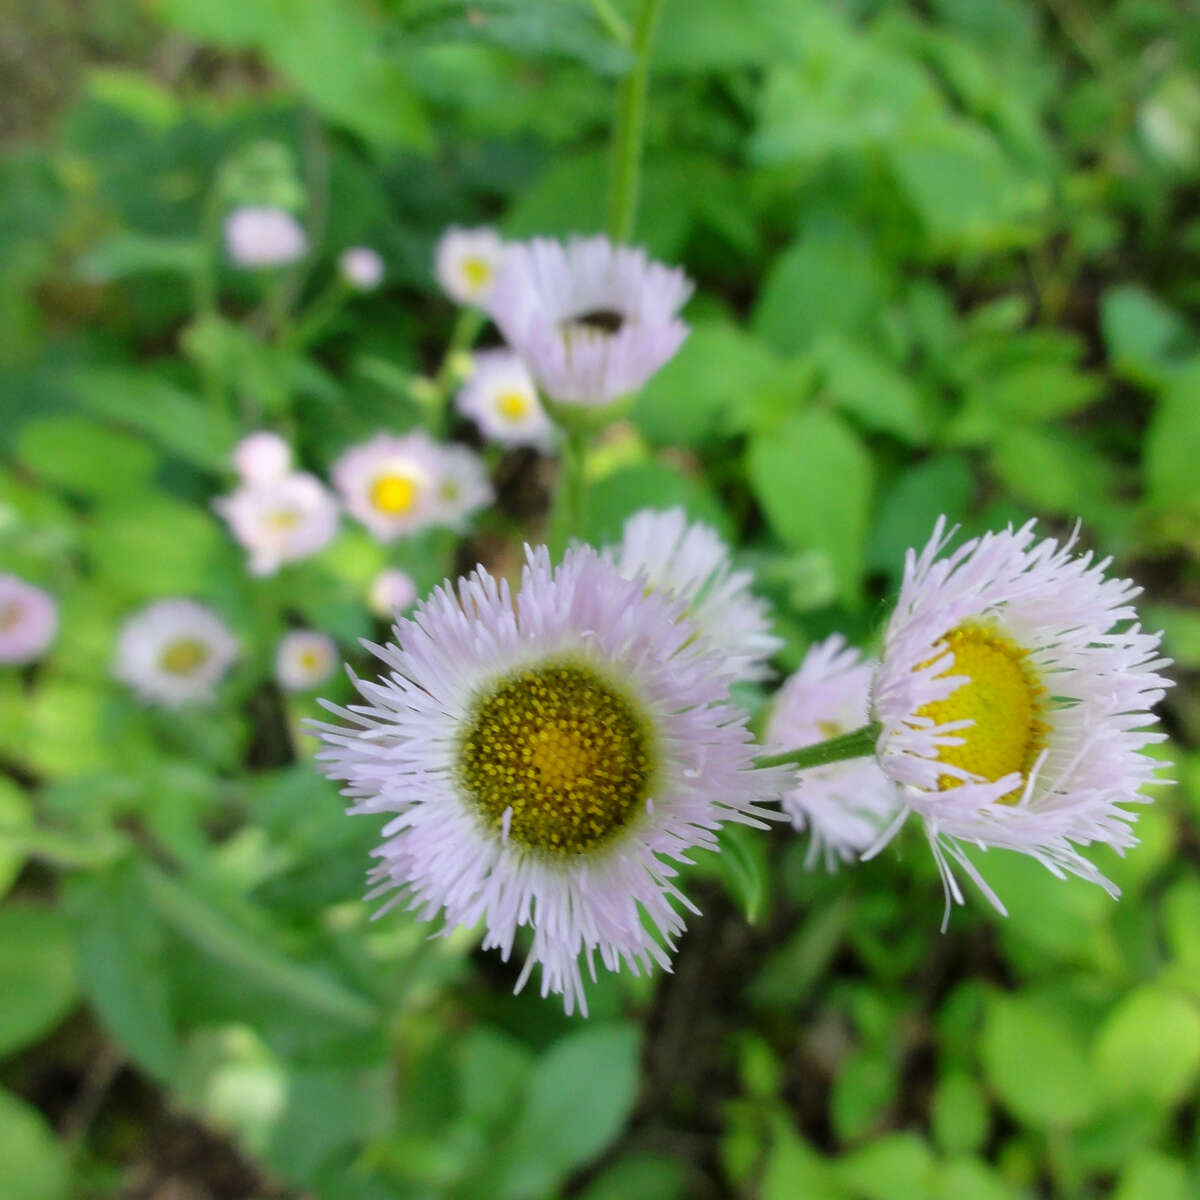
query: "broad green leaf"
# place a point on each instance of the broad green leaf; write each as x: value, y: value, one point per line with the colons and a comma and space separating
x: 908, y: 510
x: 616, y: 497
x: 970, y: 1179
x: 793, y: 1169
x: 1035, y: 1063
x: 130, y: 253
x: 960, y: 1113
x: 492, y: 1073
x: 580, y: 1095
x: 16, y: 819
x: 35, y: 1166
x: 1053, y: 470
x: 1172, y: 445
x: 1180, y: 629
x: 865, y: 1087
x: 84, y: 457
x: 1149, y: 1047
x: 639, y: 1177
x: 865, y: 385
x: 1147, y: 340
x: 896, y: 1167
x: 1155, y: 1176
x: 813, y: 480
x: 37, y: 974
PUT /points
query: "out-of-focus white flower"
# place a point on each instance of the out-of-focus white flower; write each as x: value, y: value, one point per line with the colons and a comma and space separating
x: 304, y: 660
x: 463, y: 486
x: 544, y: 759
x: 174, y: 652
x: 28, y: 620
x: 361, y: 267
x: 261, y: 457
x: 264, y: 237
x: 1013, y: 693
x: 844, y: 806
x: 466, y: 262
x: 391, y: 592
x: 390, y: 483
x: 592, y: 320
x: 689, y: 560
x: 281, y: 519
x: 500, y: 397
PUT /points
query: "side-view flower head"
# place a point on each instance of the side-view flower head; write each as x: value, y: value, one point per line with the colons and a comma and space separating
x: 689, y: 560
x: 544, y: 758
x: 592, y: 320
x: 846, y: 805
x: 174, y: 652
x: 1014, y: 697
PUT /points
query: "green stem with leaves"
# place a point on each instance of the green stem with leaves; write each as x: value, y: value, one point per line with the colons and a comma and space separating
x: 629, y: 132
x: 858, y: 743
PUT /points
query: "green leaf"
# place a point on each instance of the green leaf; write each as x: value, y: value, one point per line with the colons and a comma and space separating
x: 908, y: 510
x: 82, y: 456
x: 492, y: 1073
x: 1035, y: 1063
x: 813, y: 480
x: 865, y: 385
x: 864, y: 1088
x: 1155, y: 1176
x: 16, y: 819
x: 128, y: 253
x: 580, y: 1096
x: 970, y: 1179
x: 35, y: 1167
x: 1148, y: 1049
x: 742, y: 861
x: 717, y: 372
x: 639, y: 1177
x: 1053, y: 470
x: 1180, y: 629
x: 1147, y: 341
x: 37, y: 974
x: 960, y: 1113
x: 1172, y: 445
x: 897, y: 1167
x: 794, y: 1169
x: 616, y: 497
x: 120, y: 966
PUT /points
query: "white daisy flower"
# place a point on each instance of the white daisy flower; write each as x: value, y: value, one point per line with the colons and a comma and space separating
x: 692, y: 562
x: 500, y: 397
x: 280, y: 520
x: 262, y: 456
x: 28, y: 620
x: 846, y: 805
x: 1013, y: 694
x: 390, y: 483
x: 391, y: 592
x: 361, y: 267
x: 592, y: 320
x: 304, y: 659
x: 174, y: 652
x: 466, y: 262
x: 544, y: 759
x: 264, y: 237
x: 463, y: 486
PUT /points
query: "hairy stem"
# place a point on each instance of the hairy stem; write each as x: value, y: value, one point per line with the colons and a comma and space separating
x: 858, y: 743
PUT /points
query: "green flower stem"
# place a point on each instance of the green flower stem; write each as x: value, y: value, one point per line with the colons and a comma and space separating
x: 571, y: 509
x: 629, y: 131
x: 318, y: 314
x: 615, y: 24
x: 204, y: 287
x: 466, y: 329
x: 858, y: 743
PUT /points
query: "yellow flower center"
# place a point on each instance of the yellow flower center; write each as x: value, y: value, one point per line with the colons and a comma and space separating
x: 282, y: 519
x: 310, y: 660
x: 477, y: 272
x: 1004, y: 699
x: 560, y: 755
x: 513, y: 405
x: 394, y: 494
x: 184, y: 656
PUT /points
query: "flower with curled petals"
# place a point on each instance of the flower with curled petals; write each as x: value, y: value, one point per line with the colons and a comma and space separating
x: 544, y: 760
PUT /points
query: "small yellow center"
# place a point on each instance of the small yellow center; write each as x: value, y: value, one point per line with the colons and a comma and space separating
x: 310, y: 660
x: 282, y: 519
x: 557, y: 755
x: 394, y: 494
x: 1004, y: 699
x: 184, y: 656
x: 513, y: 405
x: 477, y: 272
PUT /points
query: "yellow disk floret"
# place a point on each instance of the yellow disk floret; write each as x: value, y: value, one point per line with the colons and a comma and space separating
x: 1003, y: 698
x: 394, y: 494
x: 477, y: 272
x: 559, y: 750
x: 184, y: 656
x: 513, y: 405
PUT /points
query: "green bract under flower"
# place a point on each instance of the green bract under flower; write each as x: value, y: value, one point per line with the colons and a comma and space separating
x: 557, y: 757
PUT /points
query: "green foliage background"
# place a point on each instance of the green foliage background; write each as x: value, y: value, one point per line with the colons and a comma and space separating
x: 948, y: 257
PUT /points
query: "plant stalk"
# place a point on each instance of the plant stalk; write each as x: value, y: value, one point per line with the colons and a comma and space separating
x: 858, y: 743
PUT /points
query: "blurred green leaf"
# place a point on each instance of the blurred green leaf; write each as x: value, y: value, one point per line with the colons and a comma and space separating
x: 129, y: 253
x: 1172, y: 445
x: 813, y: 480
x: 35, y: 1167
x: 84, y: 457
x: 909, y: 508
x: 1154, y: 1176
x: 793, y: 1168
x: 960, y: 1113
x: 742, y: 862
x: 618, y: 496
x: 866, y: 386
x: 1146, y: 339
x: 639, y: 1177
x: 865, y: 1087
x: 896, y: 1167
x: 37, y: 974
x: 1149, y: 1047
x: 16, y: 819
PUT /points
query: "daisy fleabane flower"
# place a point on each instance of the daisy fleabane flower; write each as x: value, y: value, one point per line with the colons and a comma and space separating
x: 264, y: 237
x: 463, y: 486
x: 846, y: 805
x: 390, y: 483
x: 174, y: 652
x: 304, y: 659
x: 592, y: 320
x: 280, y: 520
x: 261, y: 457
x: 689, y: 560
x: 466, y: 263
x: 28, y: 620
x: 544, y: 759
x: 1013, y: 695
x: 501, y: 398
